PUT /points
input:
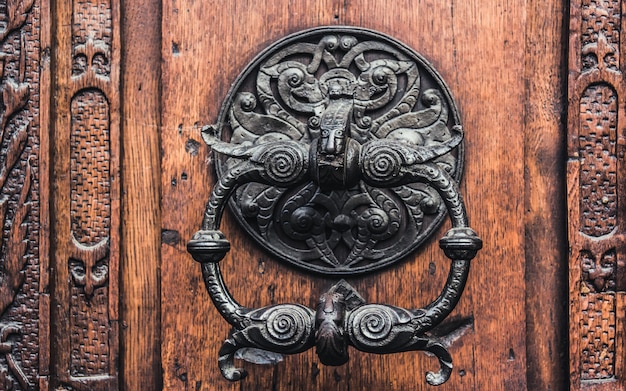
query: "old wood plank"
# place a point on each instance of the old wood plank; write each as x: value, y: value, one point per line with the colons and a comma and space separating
x: 417, y: 280
x: 60, y: 198
x: 86, y: 195
x: 141, y: 231
x: 204, y: 48
x: 478, y: 50
x: 545, y: 214
x: 596, y: 145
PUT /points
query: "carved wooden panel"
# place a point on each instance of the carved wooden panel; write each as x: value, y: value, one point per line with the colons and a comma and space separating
x: 86, y: 214
x: 597, y: 154
x: 597, y: 337
x: 20, y: 261
x: 90, y: 216
x: 596, y: 177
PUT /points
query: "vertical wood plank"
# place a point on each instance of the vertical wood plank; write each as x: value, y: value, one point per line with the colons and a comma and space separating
x: 204, y: 47
x: 478, y: 49
x: 596, y: 147
x: 86, y: 198
x: 141, y: 230
x: 417, y: 280
x: 23, y: 316
x: 59, y: 194
x: 46, y: 165
x: 545, y: 202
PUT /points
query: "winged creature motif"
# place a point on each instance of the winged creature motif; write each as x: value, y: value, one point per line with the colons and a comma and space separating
x: 351, y: 103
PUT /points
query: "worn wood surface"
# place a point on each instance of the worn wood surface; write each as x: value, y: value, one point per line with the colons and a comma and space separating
x: 20, y: 197
x: 141, y: 231
x: 545, y: 216
x: 479, y: 50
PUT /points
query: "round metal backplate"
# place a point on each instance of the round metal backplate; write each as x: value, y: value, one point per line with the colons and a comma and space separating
x: 340, y: 78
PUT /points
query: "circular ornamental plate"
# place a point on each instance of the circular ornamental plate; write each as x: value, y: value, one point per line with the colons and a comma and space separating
x: 319, y: 84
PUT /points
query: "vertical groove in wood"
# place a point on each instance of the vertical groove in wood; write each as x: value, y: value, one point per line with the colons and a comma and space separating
x: 141, y: 231
x: 21, y: 251
x: 545, y: 201
x: 86, y: 207
x: 596, y: 171
x: 45, y: 170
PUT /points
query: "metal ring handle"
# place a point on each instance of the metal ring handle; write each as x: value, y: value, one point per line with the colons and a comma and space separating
x: 293, y: 328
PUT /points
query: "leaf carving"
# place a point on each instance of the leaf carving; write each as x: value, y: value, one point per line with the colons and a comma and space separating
x: 14, y: 150
x: 14, y: 97
x: 12, y: 275
x: 259, y: 124
x: 17, y: 13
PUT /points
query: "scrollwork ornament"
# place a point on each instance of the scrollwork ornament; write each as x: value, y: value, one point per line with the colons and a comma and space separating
x: 382, y: 163
x: 357, y: 101
x: 282, y: 163
x: 333, y: 158
x: 371, y: 325
x: 288, y: 325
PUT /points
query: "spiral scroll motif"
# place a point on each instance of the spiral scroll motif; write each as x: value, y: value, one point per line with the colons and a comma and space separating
x: 378, y: 223
x: 371, y: 324
x: 287, y: 326
x: 383, y: 163
x: 247, y: 101
x: 302, y: 222
x: 282, y: 163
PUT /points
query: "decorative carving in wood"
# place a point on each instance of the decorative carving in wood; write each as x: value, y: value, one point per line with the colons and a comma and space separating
x: 340, y: 152
x: 598, y: 160
x: 600, y: 33
x: 86, y: 353
x: 596, y: 186
x: 19, y: 195
x: 90, y: 213
x: 598, y: 341
x: 598, y: 273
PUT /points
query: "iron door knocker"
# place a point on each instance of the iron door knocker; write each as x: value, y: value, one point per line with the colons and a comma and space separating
x: 339, y: 150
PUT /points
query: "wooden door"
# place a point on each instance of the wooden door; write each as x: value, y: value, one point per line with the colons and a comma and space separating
x: 200, y: 62
x: 104, y: 177
x: 481, y: 51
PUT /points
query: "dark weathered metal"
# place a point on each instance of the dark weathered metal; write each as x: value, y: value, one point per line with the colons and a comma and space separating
x: 347, y: 167
x: 338, y: 90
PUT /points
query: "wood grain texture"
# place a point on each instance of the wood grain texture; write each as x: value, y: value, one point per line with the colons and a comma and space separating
x: 479, y: 50
x: 545, y: 214
x: 46, y: 165
x: 464, y: 43
x: 504, y: 62
x: 141, y: 232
